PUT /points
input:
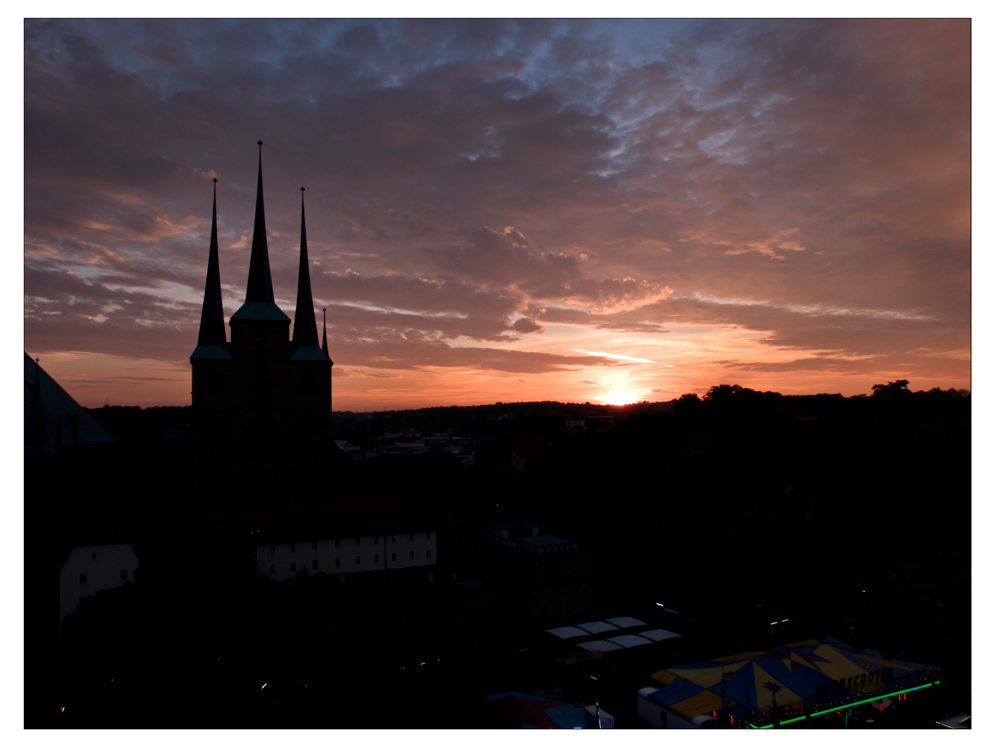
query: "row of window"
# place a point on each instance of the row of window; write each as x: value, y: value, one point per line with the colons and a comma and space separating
x: 314, y: 564
x: 314, y: 545
x: 82, y: 577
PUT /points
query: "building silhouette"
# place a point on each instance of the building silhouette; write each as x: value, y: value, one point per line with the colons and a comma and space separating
x: 261, y: 402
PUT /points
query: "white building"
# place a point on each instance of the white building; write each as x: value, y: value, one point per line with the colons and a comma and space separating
x: 358, y: 553
x: 94, y: 568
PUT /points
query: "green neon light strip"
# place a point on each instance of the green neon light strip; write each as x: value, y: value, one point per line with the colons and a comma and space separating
x: 846, y: 705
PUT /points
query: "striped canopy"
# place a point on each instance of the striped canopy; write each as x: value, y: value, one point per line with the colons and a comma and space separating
x: 785, y: 677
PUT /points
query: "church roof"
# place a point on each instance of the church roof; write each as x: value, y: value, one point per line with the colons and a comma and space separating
x: 309, y: 353
x: 216, y: 352
x: 212, y: 341
x: 49, y: 410
x: 260, y: 310
x: 259, y: 303
x: 305, y: 331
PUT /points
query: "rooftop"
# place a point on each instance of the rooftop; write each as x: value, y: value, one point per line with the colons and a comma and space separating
x: 544, y: 540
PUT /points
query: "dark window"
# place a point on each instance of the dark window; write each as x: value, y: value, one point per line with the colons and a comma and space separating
x: 82, y: 578
x: 411, y: 555
x: 93, y: 556
x: 338, y: 562
x: 293, y: 567
x: 272, y: 569
x: 411, y: 537
x: 376, y: 558
x: 358, y: 560
x: 272, y: 549
x: 393, y: 556
x: 293, y: 547
x: 124, y: 575
x: 221, y: 530
x: 428, y: 535
x: 394, y: 538
x: 428, y: 553
x: 314, y: 545
x: 376, y: 539
x: 336, y: 543
x: 314, y: 565
x: 357, y: 541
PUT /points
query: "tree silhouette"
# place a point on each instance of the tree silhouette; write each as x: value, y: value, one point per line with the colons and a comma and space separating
x: 892, y: 388
x: 722, y: 392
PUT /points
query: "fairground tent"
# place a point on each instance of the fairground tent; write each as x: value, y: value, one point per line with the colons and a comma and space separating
x: 786, y: 678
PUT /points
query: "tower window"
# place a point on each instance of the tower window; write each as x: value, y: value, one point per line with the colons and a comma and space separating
x: 293, y: 567
x: 411, y: 555
x: 82, y: 578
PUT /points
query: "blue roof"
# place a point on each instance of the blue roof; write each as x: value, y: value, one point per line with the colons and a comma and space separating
x: 265, y: 310
x: 216, y: 352
x: 544, y: 540
x: 309, y: 353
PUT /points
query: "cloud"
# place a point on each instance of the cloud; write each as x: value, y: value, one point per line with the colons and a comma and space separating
x: 803, y: 184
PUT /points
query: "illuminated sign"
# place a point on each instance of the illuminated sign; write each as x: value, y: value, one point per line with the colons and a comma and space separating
x: 857, y: 681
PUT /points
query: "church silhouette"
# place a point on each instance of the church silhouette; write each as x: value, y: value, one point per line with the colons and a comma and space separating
x: 261, y: 402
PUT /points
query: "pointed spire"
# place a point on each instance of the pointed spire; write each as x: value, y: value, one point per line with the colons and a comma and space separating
x: 260, y: 287
x: 212, y: 316
x: 324, y: 334
x: 305, y: 331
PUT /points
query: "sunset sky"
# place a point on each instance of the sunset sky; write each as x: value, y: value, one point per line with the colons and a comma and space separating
x: 601, y: 211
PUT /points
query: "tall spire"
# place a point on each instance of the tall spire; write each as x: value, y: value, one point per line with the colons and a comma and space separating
x: 212, y: 316
x: 260, y: 287
x: 324, y: 334
x: 305, y: 331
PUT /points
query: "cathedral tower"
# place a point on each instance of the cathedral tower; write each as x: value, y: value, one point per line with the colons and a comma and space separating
x: 261, y: 401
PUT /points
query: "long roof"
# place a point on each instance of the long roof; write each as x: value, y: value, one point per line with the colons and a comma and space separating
x: 57, y: 411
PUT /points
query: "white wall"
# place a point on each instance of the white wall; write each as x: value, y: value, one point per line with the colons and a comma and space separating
x: 102, y: 572
x: 373, y: 551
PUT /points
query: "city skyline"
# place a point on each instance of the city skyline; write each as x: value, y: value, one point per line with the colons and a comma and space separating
x: 566, y: 210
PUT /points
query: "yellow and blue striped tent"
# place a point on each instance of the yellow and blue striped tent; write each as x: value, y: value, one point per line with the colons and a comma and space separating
x: 783, y: 678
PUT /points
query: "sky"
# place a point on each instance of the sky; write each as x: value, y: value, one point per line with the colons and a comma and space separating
x: 602, y: 211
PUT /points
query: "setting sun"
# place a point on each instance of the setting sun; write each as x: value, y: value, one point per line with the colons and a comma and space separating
x: 621, y: 398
